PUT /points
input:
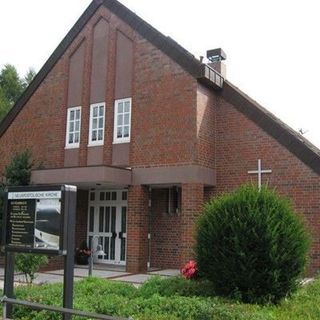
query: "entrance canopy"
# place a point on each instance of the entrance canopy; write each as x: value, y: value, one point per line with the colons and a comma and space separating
x: 82, y: 176
x: 115, y: 176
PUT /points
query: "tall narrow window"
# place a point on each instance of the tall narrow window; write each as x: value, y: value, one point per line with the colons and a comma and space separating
x: 73, y: 127
x: 97, y: 120
x: 122, y: 120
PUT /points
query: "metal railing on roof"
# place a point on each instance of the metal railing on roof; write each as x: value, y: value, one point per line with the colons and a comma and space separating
x: 211, y: 76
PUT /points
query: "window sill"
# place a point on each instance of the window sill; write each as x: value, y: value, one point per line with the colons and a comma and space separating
x: 121, y: 141
x: 96, y: 144
x: 76, y: 146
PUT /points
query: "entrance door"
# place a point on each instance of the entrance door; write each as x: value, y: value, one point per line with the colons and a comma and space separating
x: 107, y: 224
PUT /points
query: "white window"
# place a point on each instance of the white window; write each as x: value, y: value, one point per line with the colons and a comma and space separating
x: 96, y: 128
x: 122, y: 120
x: 73, y: 127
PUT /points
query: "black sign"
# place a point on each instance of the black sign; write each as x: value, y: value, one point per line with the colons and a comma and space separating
x: 35, y: 219
x: 21, y: 223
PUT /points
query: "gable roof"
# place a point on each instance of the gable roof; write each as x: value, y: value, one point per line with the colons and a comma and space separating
x: 286, y: 136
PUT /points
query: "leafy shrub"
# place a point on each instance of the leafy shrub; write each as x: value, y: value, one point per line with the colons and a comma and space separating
x: 29, y: 264
x: 251, y: 245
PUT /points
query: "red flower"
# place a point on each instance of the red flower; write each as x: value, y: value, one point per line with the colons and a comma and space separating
x: 190, y: 270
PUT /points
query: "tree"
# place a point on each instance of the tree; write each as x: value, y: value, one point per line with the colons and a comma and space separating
x: 28, y: 78
x: 12, y: 86
x: 10, y: 83
x: 18, y: 172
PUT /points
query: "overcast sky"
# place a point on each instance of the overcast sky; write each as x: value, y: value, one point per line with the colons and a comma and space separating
x: 272, y: 46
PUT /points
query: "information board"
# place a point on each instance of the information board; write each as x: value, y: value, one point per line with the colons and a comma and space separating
x: 35, y: 218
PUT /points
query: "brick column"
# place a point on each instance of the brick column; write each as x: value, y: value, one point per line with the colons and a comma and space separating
x: 138, y: 225
x: 191, y: 206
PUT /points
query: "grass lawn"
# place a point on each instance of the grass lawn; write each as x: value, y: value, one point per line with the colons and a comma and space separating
x: 168, y: 299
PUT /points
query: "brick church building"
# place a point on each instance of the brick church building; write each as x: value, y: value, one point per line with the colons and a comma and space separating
x: 147, y: 133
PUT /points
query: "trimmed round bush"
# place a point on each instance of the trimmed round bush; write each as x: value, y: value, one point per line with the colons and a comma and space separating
x: 251, y: 245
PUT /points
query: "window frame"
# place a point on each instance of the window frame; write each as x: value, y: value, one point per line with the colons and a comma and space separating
x: 98, y: 142
x: 73, y: 145
x: 117, y: 140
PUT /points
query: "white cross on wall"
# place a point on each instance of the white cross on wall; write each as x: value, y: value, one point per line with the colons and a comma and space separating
x: 259, y: 172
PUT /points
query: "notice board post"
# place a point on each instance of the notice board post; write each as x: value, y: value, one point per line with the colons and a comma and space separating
x: 40, y: 220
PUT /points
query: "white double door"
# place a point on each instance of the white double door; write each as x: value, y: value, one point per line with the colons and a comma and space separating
x: 107, y: 225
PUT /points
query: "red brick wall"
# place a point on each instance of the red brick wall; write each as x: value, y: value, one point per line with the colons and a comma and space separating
x: 240, y: 143
x: 162, y: 93
x: 164, y: 110
x: 192, y: 203
x: 165, y: 232
x: 206, y: 126
x: 138, y: 228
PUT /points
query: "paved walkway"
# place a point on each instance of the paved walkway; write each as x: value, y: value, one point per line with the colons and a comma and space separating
x: 56, y: 276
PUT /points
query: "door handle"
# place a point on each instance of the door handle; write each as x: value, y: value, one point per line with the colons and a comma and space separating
x: 121, y: 235
x: 114, y: 234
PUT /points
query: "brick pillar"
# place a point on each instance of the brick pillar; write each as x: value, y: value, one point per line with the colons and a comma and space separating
x: 138, y: 225
x: 191, y: 206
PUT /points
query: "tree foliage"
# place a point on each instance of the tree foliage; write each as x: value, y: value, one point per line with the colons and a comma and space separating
x: 18, y: 172
x: 11, y: 87
x: 251, y: 245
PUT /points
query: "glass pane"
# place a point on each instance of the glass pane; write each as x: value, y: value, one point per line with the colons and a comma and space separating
x: 126, y: 131
x: 120, y: 107
x: 101, y: 111
x: 100, y: 132
x: 124, y: 195
x: 108, y: 196
x: 95, y: 112
x: 126, y: 118
x: 92, y: 196
x: 77, y: 128
x: 106, y: 247
x: 107, y: 220
x: 101, y: 196
x: 71, y: 138
x: 71, y: 126
x: 94, y: 123
x: 76, y: 137
x: 113, y: 219
x: 114, y: 196
x: 119, y: 132
x: 123, y: 250
x: 127, y: 106
x: 77, y: 114
x: 101, y: 219
x: 94, y: 135
x: 91, y: 219
x: 100, y: 122
x: 120, y: 119
x: 72, y: 115
x: 124, y: 219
